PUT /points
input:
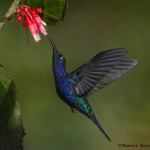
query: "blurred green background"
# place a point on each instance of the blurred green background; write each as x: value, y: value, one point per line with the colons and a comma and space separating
x: 122, y: 108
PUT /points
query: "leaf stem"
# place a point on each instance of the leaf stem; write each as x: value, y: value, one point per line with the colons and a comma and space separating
x: 11, y: 11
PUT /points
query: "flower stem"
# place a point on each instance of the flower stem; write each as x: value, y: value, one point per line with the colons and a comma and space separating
x: 11, y: 11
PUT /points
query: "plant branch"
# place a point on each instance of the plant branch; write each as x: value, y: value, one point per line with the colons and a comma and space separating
x: 11, y: 11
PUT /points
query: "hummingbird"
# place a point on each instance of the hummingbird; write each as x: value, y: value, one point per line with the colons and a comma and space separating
x: 74, y: 88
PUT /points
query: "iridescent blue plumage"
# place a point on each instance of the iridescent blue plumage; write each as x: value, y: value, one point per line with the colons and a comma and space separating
x: 101, y: 70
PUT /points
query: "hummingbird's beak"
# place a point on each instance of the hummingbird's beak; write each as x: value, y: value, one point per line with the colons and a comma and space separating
x: 53, y: 45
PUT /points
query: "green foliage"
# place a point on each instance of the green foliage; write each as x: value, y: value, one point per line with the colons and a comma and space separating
x: 11, y: 130
x: 54, y: 7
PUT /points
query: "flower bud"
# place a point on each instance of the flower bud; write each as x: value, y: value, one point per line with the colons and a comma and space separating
x: 18, y: 18
x: 38, y: 10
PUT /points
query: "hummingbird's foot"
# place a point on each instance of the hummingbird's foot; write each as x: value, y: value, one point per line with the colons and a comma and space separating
x: 72, y: 110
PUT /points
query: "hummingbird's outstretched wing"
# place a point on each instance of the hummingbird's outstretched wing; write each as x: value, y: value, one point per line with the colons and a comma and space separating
x: 100, y: 71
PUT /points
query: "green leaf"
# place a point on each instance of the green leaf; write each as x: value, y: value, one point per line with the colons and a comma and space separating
x: 56, y: 8
x: 11, y: 129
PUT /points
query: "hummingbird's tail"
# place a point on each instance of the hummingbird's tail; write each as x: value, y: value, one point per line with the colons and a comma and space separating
x: 100, y: 127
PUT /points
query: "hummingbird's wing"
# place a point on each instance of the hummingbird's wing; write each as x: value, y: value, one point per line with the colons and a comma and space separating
x: 100, y: 71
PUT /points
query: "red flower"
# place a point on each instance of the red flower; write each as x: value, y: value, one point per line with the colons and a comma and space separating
x: 32, y: 20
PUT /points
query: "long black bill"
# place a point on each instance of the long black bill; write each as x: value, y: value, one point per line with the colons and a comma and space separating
x: 53, y: 45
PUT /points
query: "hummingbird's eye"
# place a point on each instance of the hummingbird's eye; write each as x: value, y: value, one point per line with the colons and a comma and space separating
x: 60, y: 56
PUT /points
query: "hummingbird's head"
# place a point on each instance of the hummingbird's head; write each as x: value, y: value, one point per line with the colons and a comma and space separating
x: 57, y: 57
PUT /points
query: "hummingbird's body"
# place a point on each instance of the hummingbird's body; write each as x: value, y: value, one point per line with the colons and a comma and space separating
x: 65, y: 90
x: 101, y: 70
